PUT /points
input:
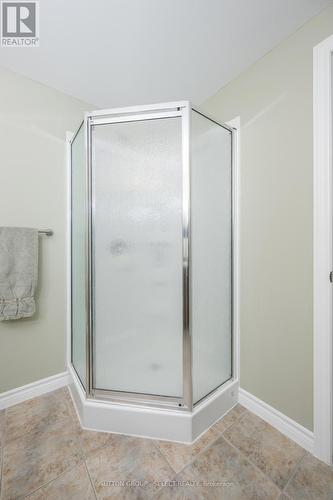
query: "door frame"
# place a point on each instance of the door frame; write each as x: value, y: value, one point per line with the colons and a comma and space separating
x: 141, y: 113
x: 322, y: 249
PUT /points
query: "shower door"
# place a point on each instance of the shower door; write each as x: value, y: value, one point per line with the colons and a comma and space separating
x: 137, y: 255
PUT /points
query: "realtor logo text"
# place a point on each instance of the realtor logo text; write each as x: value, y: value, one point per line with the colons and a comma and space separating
x: 20, y: 24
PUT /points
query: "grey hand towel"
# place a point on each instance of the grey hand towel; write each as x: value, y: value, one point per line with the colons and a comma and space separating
x: 18, y: 272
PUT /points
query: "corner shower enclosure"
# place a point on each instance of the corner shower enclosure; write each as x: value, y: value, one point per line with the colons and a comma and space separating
x: 151, y: 256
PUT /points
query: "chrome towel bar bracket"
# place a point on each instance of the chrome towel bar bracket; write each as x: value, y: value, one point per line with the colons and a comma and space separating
x: 47, y: 232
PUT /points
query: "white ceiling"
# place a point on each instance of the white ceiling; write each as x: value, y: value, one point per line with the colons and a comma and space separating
x: 121, y: 52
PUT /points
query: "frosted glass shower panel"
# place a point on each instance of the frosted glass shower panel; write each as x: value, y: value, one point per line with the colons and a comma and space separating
x: 211, y: 255
x: 78, y: 255
x: 137, y: 255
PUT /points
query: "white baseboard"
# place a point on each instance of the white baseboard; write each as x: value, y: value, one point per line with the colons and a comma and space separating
x: 281, y: 422
x: 20, y: 394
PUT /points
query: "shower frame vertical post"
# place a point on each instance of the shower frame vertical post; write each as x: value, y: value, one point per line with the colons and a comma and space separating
x: 89, y: 256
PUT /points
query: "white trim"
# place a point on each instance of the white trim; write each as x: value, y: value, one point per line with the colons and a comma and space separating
x: 148, y: 422
x: 281, y: 422
x: 235, y: 124
x: 322, y: 249
x: 214, y: 407
x: 69, y: 137
x: 29, y: 391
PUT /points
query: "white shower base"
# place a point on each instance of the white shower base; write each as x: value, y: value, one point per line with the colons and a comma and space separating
x: 164, y: 424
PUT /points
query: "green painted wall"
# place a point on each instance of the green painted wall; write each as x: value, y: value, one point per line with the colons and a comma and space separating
x: 274, y: 101
x: 33, y: 124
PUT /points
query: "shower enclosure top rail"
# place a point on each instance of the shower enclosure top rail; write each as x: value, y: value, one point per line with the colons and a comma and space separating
x: 142, y: 108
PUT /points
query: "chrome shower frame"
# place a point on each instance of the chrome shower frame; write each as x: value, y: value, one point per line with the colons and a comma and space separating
x: 183, y: 110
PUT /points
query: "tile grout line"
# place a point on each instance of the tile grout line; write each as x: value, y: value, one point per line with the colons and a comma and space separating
x: 220, y: 434
x: 155, y: 443
x: 82, y: 461
x: 90, y: 479
x: 21, y: 436
x: 84, y: 457
x: 76, y: 420
x: 254, y: 465
x: 237, y: 421
x: 193, y: 458
x: 2, y: 453
x: 162, y: 454
x: 293, y: 474
x: 75, y: 416
x: 27, y: 495
x: 1, y: 467
x: 285, y: 494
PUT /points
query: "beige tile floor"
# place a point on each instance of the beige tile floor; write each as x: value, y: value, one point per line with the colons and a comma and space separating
x: 46, y: 455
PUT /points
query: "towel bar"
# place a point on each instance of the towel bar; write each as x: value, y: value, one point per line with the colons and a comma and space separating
x: 47, y: 232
